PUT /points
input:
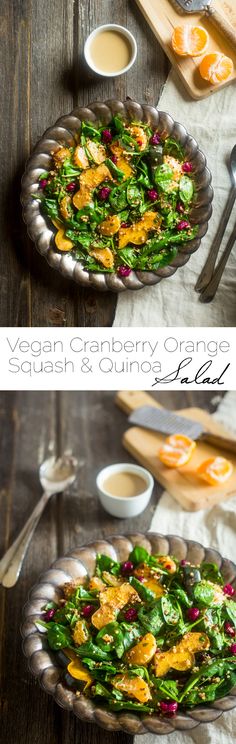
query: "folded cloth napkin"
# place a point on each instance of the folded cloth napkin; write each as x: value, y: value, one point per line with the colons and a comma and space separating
x: 212, y: 122
x: 215, y: 527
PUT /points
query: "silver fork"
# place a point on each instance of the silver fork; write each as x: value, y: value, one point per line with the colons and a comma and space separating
x: 208, y: 269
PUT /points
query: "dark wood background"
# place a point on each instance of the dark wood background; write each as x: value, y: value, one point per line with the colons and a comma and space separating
x: 92, y: 426
x: 43, y: 77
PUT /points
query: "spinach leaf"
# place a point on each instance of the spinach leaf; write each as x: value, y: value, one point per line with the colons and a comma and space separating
x: 131, y: 633
x: 117, y: 172
x: 129, y: 705
x: 134, y: 196
x: 84, y: 595
x: 151, y: 618
x: 185, y: 189
x: 163, y: 177
x: 58, y: 636
x: 173, y: 148
x: 210, y: 572
x: 89, y: 649
x: 113, y: 631
x: 128, y: 257
x: 88, y: 130
x: 50, y: 207
x: 204, y: 593
x: 104, y: 670
x: 118, y: 198
x: 118, y: 123
x: 104, y: 563
x: 139, y: 555
x: 146, y: 594
x: 191, y: 576
x: 156, y: 154
x: 181, y: 595
x: 230, y: 607
x: 217, y: 668
x: 168, y: 688
x: 170, y: 610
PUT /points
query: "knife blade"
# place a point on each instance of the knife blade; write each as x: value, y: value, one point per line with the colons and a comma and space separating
x: 219, y: 20
x: 166, y: 422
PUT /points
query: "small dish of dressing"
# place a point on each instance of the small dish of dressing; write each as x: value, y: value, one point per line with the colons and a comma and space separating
x: 110, y: 50
x: 124, y: 489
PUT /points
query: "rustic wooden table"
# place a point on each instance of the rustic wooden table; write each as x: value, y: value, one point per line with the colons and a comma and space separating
x: 43, y: 77
x: 31, y: 427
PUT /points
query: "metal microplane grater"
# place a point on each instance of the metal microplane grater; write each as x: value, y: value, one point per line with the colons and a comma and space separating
x: 217, y: 19
x: 166, y: 422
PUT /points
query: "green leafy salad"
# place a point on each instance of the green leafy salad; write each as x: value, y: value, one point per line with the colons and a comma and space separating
x: 121, y: 198
x: 150, y: 634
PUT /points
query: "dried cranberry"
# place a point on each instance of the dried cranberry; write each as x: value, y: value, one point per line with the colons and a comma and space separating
x: 187, y: 167
x: 183, y: 225
x: 71, y: 186
x: 229, y: 630
x: 152, y: 194
x: 47, y: 616
x: 233, y: 648
x: 140, y: 578
x: 193, y: 613
x: 169, y: 708
x: 103, y: 193
x: 87, y: 610
x: 155, y: 139
x: 127, y: 567
x: 42, y: 183
x: 124, y: 271
x: 131, y: 615
x: 229, y: 589
x: 106, y: 136
x: 183, y: 562
x: 139, y: 142
x: 124, y: 224
x: 114, y: 159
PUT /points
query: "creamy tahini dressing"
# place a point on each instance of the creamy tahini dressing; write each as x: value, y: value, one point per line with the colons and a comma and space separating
x: 124, y: 484
x: 110, y: 51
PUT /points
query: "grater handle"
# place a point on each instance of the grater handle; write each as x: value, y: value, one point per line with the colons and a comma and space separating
x: 217, y: 441
x: 222, y: 24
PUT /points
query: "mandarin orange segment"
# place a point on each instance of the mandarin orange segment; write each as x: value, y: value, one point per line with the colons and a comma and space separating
x: 176, y: 450
x: 216, y: 67
x: 189, y: 41
x: 215, y: 470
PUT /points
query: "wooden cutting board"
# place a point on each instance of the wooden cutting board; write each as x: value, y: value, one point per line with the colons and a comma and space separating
x: 163, y: 15
x: 183, y: 484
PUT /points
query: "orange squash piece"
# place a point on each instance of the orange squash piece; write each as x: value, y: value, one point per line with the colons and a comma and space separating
x: 97, y: 583
x: 63, y: 243
x: 119, y: 596
x: 215, y: 470
x: 176, y: 450
x: 60, y: 155
x: 138, y: 232
x: 97, y: 152
x: 105, y: 614
x: 110, y: 226
x: 94, y: 176
x: 181, y: 656
x: 143, y: 651
x: 167, y: 563
x: 80, y: 158
x: 80, y: 632
x: 154, y: 585
x: 78, y: 671
x: 64, y: 207
x: 82, y: 198
x: 122, y: 160
x: 216, y: 67
x: 135, y: 687
x: 103, y: 256
x: 189, y: 41
x: 139, y: 134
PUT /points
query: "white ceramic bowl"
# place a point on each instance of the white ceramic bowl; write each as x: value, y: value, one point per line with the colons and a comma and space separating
x: 124, y: 506
x: 110, y: 27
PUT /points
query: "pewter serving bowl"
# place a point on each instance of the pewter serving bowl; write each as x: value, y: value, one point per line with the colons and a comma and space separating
x: 44, y: 664
x: 42, y: 232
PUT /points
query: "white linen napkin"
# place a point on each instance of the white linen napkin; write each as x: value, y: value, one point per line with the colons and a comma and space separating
x: 212, y: 122
x: 214, y: 527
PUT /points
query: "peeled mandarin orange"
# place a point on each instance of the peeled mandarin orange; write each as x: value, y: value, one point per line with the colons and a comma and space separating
x: 216, y: 67
x: 189, y: 41
x: 215, y: 470
x: 176, y: 450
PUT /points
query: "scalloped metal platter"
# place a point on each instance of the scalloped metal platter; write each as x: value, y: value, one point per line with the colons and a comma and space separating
x: 44, y: 664
x: 64, y: 131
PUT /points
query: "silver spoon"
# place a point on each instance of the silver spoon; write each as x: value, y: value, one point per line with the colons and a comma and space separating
x: 207, y: 271
x: 55, y: 476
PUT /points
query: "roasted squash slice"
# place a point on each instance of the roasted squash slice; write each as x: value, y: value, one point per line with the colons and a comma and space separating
x: 119, y: 596
x: 135, y: 687
x: 139, y: 135
x: 94, y: 176
x: 110, y: 226
x: 111, y: 579
x: 167, y: 563
x: 103, y: 256
x: 122, y: 161
x: 82, y: 198
x: 154, y: 585
x: 77, y: 670
x: 65, y: 207
x: 62, y: 154
x: 105, y: 614
x: 80, y: 157
x: 80, y: 632
x: 143, y: 651
x: 181, y: 656
x: 97, y: 583
x: 138, y: 233
x: 63, y: 243
x: 97, y: 152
